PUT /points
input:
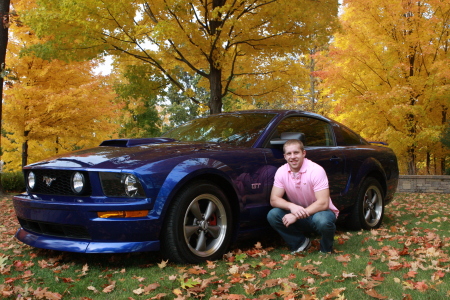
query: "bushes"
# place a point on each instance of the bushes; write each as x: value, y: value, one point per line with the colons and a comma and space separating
x: 13, y: 182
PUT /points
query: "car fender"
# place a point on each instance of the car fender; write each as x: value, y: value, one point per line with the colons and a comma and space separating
x: 184, y: 172
x: 370, y: 167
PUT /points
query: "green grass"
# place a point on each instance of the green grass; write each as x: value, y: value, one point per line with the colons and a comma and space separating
x: 407, y: 258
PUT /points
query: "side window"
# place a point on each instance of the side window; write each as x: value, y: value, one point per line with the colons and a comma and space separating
x: 349, y: 138
x: 317, y: 132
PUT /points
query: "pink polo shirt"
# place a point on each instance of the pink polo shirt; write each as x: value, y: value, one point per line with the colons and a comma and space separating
x: 300, y: 190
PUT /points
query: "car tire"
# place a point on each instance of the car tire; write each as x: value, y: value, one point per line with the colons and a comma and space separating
x: 368, y: 211
x: 198, y: 225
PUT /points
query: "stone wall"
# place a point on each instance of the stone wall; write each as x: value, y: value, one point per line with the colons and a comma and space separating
x: 424, y: 184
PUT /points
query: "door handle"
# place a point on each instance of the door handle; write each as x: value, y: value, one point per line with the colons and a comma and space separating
x: 335, y: 158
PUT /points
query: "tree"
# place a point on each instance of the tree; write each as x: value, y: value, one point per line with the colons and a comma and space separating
x: 52, y: 107
x: 4, y: 15
x: 152, y: 104
x: 388, y: 70
x: 238, y: 47
x: 138, y: 91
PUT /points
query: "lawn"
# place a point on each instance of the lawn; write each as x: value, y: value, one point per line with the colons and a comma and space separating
x: 407, y: 258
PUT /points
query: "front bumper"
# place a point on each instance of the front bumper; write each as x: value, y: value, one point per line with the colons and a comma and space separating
x: 75, y: 227
x: 60, y: 244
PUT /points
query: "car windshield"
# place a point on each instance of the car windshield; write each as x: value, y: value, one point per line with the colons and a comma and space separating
x: 235, y: 129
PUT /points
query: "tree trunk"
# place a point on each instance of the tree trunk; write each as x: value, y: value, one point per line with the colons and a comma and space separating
x: 411, y: 123
x: 215, y: 81
x: 411, y: 161
x: 215, y: 70
x: 312, y: 80
x: 25, y: 149
x: 4, y: 13
x: 442, y: 165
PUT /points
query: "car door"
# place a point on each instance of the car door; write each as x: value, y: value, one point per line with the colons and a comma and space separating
x: 320, y: 147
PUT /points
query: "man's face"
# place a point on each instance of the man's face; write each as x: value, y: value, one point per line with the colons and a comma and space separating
x: 294, y: 156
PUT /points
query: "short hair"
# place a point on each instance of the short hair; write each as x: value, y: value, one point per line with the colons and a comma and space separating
x: 293, y: 142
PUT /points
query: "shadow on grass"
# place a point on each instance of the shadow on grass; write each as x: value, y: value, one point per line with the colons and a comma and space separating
x: 267, y: 239
x: 145, y: 259
x: 104, y: 260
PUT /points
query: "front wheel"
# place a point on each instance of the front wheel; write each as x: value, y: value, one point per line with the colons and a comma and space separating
x: 369, y: 207
x: 198, y: 224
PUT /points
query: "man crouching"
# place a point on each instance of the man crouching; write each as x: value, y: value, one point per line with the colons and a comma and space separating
x: 309, y: 209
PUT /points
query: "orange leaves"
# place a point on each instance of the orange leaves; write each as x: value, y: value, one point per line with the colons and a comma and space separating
x: 54, y: 105
x: 345, y: 258
x: 110, y: 287
x: 43, y: 293
x: 372, y: 293
x: 421, y: 286
x: 146, y: 290
x: 250, y: 42
x: 377, y: 85
x: 410, y: 262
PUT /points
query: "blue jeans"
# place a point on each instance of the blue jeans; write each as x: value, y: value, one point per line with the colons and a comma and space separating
x: 322, y: 223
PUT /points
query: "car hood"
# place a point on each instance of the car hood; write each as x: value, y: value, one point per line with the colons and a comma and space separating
x: 127, y: 153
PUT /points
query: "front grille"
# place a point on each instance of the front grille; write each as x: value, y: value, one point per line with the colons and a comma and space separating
x: 57, y: 182
x: 68, y: 231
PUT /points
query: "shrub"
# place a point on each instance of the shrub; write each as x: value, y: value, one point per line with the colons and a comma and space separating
x: 13, y: 182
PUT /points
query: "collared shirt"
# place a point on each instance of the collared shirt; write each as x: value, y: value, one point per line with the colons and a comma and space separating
x: 300, y: 187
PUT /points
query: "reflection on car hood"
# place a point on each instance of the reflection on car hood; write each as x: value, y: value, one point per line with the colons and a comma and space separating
x: 129, y: 154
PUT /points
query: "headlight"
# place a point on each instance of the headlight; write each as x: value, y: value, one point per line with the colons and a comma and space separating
x: 31, y: 180
x: 78, y: 183
x: 121, y: 185
x: 131, y: 185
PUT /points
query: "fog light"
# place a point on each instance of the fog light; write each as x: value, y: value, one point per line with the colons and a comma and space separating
x: 122, y: 214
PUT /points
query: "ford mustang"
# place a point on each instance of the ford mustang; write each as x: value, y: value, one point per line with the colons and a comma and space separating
x: 192, y: 191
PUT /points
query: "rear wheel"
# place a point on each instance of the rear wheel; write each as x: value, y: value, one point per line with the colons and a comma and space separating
x: 198, y: 225
x: 369, y: 207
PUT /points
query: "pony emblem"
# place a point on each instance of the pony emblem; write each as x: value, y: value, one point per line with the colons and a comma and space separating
x: 48, y: 180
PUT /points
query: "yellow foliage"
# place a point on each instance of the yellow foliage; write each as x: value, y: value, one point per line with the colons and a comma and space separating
x: 240, y: 47
x: 388, y: 71
x: 52, y: 106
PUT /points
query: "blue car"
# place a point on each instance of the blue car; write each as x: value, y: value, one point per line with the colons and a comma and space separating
x: 191, y: 192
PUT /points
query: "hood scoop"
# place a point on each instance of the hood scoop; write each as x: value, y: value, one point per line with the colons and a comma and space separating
x: 135, y: 142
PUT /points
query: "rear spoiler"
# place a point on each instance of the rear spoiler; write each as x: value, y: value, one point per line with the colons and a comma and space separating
x: 379, y: 143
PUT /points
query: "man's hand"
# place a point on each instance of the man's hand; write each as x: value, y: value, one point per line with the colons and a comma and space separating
x: 298, y: 211
x: 289, y: 219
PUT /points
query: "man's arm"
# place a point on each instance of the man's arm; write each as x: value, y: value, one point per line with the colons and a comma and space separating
x: 322, y: 202
x: 276, y: 200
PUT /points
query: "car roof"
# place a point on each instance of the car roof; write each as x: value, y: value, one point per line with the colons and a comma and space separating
x: 282, y: 113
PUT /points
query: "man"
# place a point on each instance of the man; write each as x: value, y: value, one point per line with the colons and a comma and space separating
x: 309, y: 208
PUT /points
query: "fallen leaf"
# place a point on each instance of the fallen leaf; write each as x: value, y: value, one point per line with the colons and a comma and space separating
x: 251, y: 288
x: 151, y: 287
x: 348, y: 275
x: 368, y: 271
x: 138, y: 291
x: 374, y: 294
x: 43, y: 293
x: 163, y: 264
x: 343, y: 258
x: 421, y: 286
x: 110, y: 287
x: 91, y: 288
